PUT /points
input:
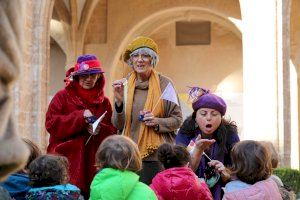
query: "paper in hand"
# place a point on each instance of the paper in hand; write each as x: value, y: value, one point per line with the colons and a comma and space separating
x: 125, y: 81
x: 95, y: 124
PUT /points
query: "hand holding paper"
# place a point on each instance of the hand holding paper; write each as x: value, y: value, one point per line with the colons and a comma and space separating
x: 95, y: 124
x: 95, y: 127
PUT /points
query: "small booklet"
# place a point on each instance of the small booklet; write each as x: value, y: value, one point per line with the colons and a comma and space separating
x: 95, y: 125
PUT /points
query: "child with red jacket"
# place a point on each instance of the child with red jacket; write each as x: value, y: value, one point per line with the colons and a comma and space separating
x: 177, y: 181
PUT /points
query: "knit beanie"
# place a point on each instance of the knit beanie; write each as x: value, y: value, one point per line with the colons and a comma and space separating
x: 137, y: 43
x: 204, y: 99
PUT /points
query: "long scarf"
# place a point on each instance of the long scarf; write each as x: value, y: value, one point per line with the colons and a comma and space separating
x: 148, y: 140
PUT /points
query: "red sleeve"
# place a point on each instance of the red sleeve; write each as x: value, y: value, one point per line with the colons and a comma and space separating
x: 205, y: 192
x: 60, y: 125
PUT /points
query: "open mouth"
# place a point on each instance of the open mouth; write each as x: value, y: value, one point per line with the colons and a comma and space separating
x: 208, y: 126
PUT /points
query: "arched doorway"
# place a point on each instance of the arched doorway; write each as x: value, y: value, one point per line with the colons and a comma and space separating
x: 206, y: 65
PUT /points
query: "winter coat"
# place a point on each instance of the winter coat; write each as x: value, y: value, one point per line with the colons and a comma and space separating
x: 262, y: 190
x: 112, y: 184
x: 68, y: 131
x: 57, y: 192
x: 17, y: 185
x: 179, y: 183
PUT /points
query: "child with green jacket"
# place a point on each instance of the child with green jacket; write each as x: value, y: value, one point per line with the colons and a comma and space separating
x: 118, y: 159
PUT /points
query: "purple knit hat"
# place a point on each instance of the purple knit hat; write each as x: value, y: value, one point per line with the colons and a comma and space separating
x: 87, y: 64
x: 204, y: 99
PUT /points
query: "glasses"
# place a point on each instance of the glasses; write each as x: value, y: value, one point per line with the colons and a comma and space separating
x: 144, y: 57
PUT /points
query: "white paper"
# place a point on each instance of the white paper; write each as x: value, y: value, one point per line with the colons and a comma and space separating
x: 95, y: 124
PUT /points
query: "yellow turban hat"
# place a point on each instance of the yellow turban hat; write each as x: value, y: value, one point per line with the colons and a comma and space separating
x: 137, y: 43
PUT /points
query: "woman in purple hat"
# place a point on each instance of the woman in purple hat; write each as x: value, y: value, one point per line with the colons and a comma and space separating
x: 70, y: 116
x: 212, y: 138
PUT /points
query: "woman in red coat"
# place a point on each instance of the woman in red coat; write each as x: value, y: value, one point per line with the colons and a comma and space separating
x: 70, y: 116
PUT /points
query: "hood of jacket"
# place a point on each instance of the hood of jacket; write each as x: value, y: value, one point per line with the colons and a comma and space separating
x: 72, y: 89
x: 179, y: 183
x: 262, y: 190
x: 116, y: 184
x: 67, y: 191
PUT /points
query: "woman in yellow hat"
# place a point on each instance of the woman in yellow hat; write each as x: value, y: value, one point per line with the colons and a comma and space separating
x: 141, y: 114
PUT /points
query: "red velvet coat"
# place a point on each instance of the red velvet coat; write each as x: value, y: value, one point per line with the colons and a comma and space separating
x: 179, y: 183
x: 68, y: 131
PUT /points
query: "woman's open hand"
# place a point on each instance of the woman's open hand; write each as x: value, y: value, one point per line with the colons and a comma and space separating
x: 203, y: 144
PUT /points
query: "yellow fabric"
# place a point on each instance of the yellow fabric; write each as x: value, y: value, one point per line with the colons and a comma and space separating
x: 148, y: 140
x: 138, y: 43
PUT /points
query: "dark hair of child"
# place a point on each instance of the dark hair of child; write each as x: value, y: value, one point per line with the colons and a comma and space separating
x: 48, y: 170
x: 173, y: 155
x: 251, y: 161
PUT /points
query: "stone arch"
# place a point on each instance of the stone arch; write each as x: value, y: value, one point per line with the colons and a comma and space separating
x: 161, y: 18
x: 74, y: 18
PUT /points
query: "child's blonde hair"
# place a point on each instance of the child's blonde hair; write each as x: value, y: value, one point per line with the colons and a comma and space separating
x: 273, y: 153
x: 119, y: 152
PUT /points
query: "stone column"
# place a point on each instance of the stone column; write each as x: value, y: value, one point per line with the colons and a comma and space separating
x: 284, y: 81
x: 259, y: 70
x: 266, y: 74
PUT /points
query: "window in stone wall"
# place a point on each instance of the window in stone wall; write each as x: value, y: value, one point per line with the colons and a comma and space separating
x: 193, y: 33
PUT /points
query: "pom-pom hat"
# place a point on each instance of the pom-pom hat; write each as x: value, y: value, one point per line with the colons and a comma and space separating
x: 87, y: 64
x: 204, y: 99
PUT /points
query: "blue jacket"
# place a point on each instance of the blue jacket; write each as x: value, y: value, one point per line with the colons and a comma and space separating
x: 17, y: 185
x: 56, y: 192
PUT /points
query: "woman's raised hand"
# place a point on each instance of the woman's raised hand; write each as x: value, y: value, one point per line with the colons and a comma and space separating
x: 202, y: 144
x: 118, y: 86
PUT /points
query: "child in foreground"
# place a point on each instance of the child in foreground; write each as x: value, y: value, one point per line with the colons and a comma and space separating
x: 49, y: 177
x: 17, y: 184
x: 251, y: 171
x: 178, y: 181
x: 118, y: 159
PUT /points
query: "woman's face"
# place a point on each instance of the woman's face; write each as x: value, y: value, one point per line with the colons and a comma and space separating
x: 88, y: 81
x: 141, y: 63
x: 208, y: 120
